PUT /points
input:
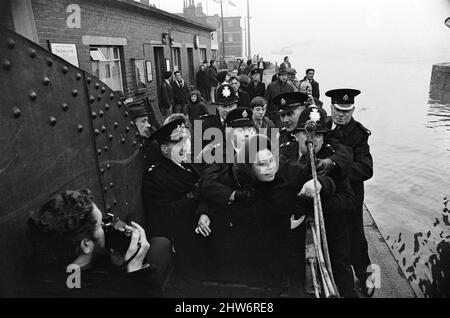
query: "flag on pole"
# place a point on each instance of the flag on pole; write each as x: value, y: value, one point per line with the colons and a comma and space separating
x: 231, y: 3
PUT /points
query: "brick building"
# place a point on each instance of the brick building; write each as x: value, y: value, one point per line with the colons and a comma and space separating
x: 232, y: 29
x: 125, y: 43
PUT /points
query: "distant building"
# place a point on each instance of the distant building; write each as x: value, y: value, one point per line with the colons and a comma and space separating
x: 232, y: 28
x: 126, y: 44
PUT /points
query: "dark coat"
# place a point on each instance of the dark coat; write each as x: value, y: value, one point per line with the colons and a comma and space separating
x: 196, y: 110
x: 168, y: 210
x: 250, y: 238
x: 355, y: 136
x: 201, y: 80
x: 243, y: 99
x: 342, y: 155
x: 337, y: 210
x: 315, y: 88
x: 211, y: 72
x: 274, y: 89
x: 103, y: 280
x: 167, y: 95
x: 180, y: 92
x: 254, y: 91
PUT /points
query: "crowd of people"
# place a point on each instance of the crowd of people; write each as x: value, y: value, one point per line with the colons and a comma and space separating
x: 235, y: 211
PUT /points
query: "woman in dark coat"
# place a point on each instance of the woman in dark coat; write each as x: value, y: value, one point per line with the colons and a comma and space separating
x: 256, y: 228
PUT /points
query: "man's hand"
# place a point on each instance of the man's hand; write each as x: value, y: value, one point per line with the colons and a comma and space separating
x: 244, y: 196
x: 203, y: 226
x: 325, y: 166
x: 309, y: 190
x: 138, y: 244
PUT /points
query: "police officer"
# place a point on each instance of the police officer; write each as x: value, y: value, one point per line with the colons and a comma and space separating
x: 353, y: 134
x: 335, y: 207
x: 291, y: 105
x: 213, y: 126
x: 170, y: 194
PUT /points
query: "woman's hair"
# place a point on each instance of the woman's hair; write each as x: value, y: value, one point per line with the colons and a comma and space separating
x: 246, y: 157
x: 58, y: 227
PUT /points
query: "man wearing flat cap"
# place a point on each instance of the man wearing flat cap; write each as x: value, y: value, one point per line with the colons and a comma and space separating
x: 353, y: 134
x: 140, y: 114
x: 170, y: 194
x: 334, y: 207
x: 273, y: 90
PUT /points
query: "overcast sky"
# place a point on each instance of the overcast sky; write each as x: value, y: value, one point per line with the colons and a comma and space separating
x: 289, y: 26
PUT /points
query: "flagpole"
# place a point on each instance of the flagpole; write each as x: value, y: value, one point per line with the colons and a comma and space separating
x: 223, y: 31
x: 249, y: 47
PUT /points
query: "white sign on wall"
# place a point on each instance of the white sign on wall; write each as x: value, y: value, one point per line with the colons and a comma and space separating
x: 65, y: 51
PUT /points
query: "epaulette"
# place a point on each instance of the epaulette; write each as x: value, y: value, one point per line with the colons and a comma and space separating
x: 367, y: 131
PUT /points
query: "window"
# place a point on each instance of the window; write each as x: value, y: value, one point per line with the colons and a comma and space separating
x: 230, y: 23
x: 106, y: 65
x: 176, y: 55
x: 230, y: 37
x: 203, y: 56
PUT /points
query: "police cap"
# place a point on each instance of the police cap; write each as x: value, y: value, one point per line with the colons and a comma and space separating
x: 343, y: 98
x: 314, y: 116
x: 240, y: 117
x: 289, y: 101
x: 174, y: 131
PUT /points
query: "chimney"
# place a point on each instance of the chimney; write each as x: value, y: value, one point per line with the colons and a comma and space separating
x: 199, y: 9
x: 146, y: 2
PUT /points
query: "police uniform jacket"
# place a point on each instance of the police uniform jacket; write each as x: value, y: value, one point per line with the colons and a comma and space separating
x: 342, y: 155
x: 355, y: 136
x: 168, y: 210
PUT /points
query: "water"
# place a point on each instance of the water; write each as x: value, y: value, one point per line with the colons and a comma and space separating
x: 410, y: 141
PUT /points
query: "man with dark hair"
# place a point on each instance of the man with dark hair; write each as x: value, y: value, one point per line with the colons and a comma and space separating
x: 68, y: 230
x: 211, y: 72
x: 181, y: 93
x: 202, y: 82
x: 286, y: 63
x: 242, y: 96
x: 314, y: 85
x: 256, y: 87
x: 167, y: 97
